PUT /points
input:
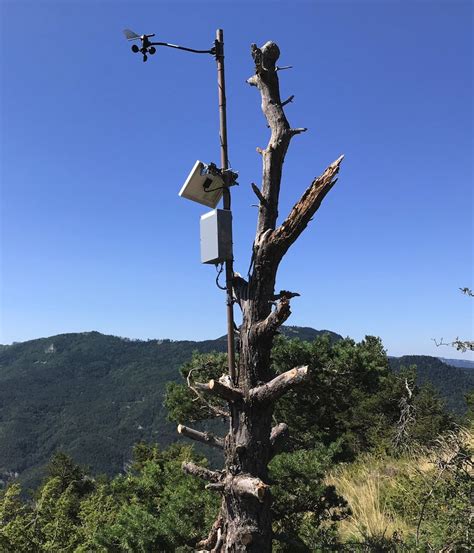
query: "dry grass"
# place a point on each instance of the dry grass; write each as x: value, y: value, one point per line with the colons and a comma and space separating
x: 362, y: 487
x: 365, y: 484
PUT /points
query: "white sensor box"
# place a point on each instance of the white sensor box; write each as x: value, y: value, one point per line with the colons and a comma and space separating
x: 216, y: 236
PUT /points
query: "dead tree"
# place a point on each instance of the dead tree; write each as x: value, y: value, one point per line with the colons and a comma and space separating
x: 244, y: 522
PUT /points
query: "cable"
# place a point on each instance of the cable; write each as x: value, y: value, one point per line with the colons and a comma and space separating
x: 213, y: 189
x: 219, y: 272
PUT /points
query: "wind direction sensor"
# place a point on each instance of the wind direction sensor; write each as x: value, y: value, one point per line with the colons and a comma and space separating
x: 147, y: 46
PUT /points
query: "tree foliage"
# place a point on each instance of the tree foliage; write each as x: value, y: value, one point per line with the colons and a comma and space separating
x: 152, y: 507
x: 353, y: 397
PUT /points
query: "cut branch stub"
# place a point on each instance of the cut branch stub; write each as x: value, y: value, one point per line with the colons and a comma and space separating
x: 216, y: 486
x: 213, y: 408
x: 298, y: 131
x: 248, y: 485
x: 201, y: 472
x: 216, y: 388
x: 273, y: 390
x: 242, y: 484
x: 204, y: 437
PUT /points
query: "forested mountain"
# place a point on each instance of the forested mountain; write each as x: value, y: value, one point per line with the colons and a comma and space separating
x: 465, y: 364
x: 452, y: 383
x: 94, y: 396
x: 91, y: 395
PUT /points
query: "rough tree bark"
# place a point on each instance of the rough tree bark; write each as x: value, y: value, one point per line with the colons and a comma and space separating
x: 244, y: 523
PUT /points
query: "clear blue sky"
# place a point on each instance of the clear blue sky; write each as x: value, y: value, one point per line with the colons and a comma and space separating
x: 96, y: 144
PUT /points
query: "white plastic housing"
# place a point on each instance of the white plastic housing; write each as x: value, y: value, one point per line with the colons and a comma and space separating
x: 216, y: 236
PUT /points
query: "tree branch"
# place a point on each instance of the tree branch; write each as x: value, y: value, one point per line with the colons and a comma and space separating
x: 305, y: 208
x: 259, y: 195
x: 217, y: 410
x: 276, y: 318
x: 298, y: 130
x: 460, y: 345
x: 211, y: 541
x: 278, y: 437
x: 467, y: 291
x: 204, y: 437
x: 274, y: 389
x: 201, y: 472
x: 218, y: 389
x: 285, y: 294
x: 216, y: 486
x: 288, y: 100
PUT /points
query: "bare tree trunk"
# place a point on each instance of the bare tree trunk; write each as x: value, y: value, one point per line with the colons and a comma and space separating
x: 244, y: 523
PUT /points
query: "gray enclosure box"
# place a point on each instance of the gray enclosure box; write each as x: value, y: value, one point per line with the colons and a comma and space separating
x: 216, y: 236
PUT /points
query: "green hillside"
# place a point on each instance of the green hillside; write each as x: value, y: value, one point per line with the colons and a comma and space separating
x: 95, y: 396
x: 89, y: 394
x: 452, y: 383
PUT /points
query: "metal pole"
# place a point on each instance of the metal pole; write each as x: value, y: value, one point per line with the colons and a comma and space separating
x: 229, y: 269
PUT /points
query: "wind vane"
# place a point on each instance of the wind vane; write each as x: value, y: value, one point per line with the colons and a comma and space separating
x: 149, y: 47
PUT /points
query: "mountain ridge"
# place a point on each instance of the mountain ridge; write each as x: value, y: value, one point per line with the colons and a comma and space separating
x: 95, y: 395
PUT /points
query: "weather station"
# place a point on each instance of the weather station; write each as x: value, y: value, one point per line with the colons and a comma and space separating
x: 207, y: 184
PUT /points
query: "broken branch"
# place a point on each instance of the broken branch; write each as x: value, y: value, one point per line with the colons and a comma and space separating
x: 288, y: 100
x: 278, y: 437
x: 216, y: 486
x: 204, y: 437
x: 298, y: 130
x: 305, y: 208
x: 276, y: 318
x: 274, y: 389
x: 259, y: 195
x: 285, y: 294
x: 210, y: 542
